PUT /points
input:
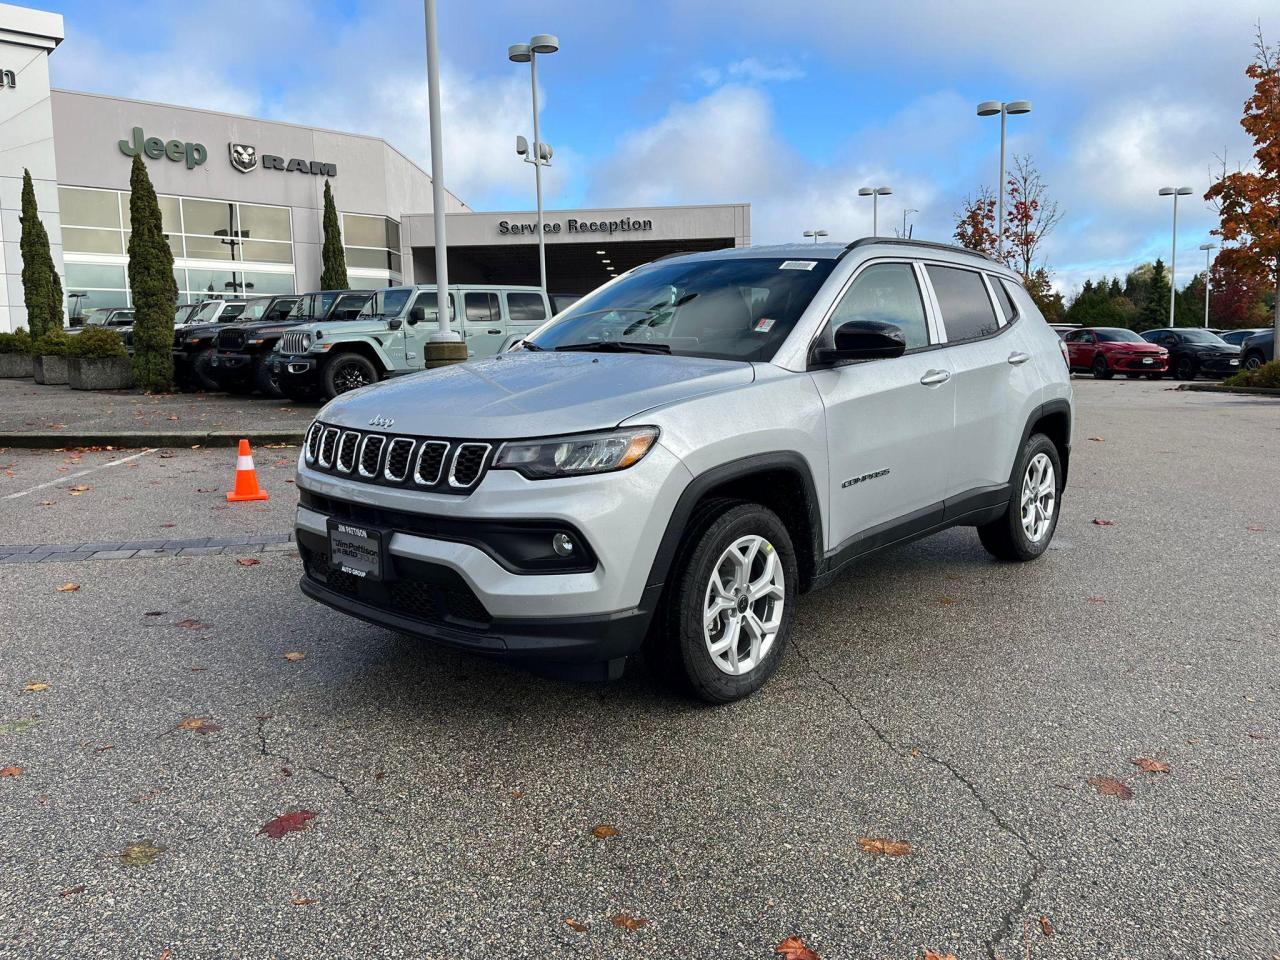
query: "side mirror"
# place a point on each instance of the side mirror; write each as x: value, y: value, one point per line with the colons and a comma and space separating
x: 416, y: 315
x: 864, y: 340
x: 395, y: 324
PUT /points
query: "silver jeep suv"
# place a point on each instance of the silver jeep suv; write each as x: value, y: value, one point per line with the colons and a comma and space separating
x: 678, y: 456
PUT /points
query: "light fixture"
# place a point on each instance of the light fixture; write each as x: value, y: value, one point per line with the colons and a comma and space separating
x: 990, y: 108
x: 606, y: 261
x: 816, y: 234
x: 875, y: 193
x: 601, y: 252
x: 539, y: 44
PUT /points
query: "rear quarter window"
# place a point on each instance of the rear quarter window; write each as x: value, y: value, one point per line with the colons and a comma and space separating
x: 967, y: 313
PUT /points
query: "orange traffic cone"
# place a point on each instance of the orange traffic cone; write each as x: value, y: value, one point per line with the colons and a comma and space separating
x: 246, y: 478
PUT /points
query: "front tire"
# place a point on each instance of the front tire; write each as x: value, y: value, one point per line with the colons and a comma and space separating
x: 1253, y: 361
x: 1025, y: 529
x: 264, y: 380
x: 348, y: 371
x: 1187, y: 369
x: 1100, y: 369
x: 200, y: 375
x: 733, y: 603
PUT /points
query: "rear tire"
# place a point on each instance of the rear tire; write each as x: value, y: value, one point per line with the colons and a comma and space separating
x: 348, y: 371
x: 1100, y: 369
x: 1026, y: 528
x: 733, y: 602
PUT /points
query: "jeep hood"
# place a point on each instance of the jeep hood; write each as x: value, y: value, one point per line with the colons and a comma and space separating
x: 260, y: 328
x: 528, y: 394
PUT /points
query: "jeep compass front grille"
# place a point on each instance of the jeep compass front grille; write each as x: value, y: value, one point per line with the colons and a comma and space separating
x: 422, y: 463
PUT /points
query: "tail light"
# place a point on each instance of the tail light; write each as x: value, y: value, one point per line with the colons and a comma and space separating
x: 1062, y: 348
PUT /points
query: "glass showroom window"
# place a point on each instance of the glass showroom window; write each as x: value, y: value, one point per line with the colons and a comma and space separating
x: 372, y: 248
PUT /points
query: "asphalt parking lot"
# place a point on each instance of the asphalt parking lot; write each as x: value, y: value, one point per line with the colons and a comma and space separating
x: 160, y: 718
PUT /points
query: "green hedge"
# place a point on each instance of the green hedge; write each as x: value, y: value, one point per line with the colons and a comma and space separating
x: 96, y: 343
x: 1267, y: 375
x: 17, y: 342
x: 55, y: 343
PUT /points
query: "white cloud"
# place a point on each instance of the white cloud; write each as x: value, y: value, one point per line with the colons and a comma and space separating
x: 753, y: 69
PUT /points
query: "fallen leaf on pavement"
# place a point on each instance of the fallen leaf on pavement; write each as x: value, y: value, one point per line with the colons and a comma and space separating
x: 625, y: 921
x: 575, y: 925
x: 604, y: 831
x: 165, y: 955
x: 18, y: 726
x: 69, y: 588
x: 1150, y: 766
x: 932, y: 955
x: 1104, y: 523
x: 174, y: 417
x: 287, y: 823
x: 1098, y: 439
x: 154, y: 613
x: 72, y: 891
x: 883, y: 847
x: 144, y: 797
x: 303, y: 901
x: 35, y: 688
x: 793, y: 948
x: 78, y: 489
x: 1256, y: 529
x: 141, y: 854
x: 947, y: 601
x: 293, y: 656
x: 247, y: 561
x: 46, y: 503
x: 1097, y: 599
x: 165, y: 526
x: 191, y: 624
x: 1110, y: 787
x: 198, y: 725
x: 104, y: 748
x: 10, y: 772
x: 1046, y: 927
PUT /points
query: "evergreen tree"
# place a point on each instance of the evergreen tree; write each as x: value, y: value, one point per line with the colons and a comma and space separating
x: 1114, y: 289
x: 1155, y: 307
x: 1188, y: 310
x: 41, y: 288
x: 333, y: 273
x: 151, y: 285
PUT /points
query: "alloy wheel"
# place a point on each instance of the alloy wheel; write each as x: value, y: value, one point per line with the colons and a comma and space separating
x: 742, y: 606
x: 350, y: 376
x: 1039, y: 497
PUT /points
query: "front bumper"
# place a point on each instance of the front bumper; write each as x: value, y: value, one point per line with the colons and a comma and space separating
x: 230, y: 367
x: 1145, y: 363
x: 1220, y: 366
x: 299, y: 369
x: 458, y: 593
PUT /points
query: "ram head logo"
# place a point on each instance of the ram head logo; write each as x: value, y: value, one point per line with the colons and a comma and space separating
x: 243, y: 156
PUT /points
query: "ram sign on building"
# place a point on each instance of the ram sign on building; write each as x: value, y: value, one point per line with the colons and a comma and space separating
x: 242, y: 199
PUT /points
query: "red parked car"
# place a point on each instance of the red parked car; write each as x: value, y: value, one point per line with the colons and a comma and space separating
x: 1106, y: 351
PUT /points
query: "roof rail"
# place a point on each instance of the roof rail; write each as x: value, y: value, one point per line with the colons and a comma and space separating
x: 931, y: 244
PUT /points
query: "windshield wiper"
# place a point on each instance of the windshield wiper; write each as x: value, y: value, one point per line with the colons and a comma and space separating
x: 617, y: 346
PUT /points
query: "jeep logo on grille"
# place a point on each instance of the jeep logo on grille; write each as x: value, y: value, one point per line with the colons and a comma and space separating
x: 386, y: 423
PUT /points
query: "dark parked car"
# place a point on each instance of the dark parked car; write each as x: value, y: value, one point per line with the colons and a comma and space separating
x: 1195, y: 352
x: 1258, y: 349
x: 1237, y: 337
x: 1106, y: 351
x: 193, y: 344
x: 240, y: 364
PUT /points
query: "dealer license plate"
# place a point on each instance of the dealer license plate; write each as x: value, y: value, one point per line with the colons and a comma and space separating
x: 1147, y: 360
x: 355, y: 549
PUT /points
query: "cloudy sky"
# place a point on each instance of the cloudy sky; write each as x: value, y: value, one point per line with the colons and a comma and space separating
x: 790, y: 107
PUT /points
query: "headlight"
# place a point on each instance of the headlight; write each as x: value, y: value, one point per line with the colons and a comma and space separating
x: 577, y: 455
x: 306, y: 341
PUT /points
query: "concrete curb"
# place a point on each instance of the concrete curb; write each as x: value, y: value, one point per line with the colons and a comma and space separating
x: 50, y: 440
x: 1219, y: 388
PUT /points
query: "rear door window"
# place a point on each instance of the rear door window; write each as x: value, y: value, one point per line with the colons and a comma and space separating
x: 482, y: 308
x: 967, y: 313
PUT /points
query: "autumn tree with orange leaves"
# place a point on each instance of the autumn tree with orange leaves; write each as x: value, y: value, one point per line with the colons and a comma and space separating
x: 1248, y: 201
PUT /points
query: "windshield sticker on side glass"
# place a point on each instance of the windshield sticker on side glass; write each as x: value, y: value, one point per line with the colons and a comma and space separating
x: 798, y: 264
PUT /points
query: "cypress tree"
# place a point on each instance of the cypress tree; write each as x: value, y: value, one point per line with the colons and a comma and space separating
x: 41, y: 288
x: 333, y: 273
x: 151, y: 285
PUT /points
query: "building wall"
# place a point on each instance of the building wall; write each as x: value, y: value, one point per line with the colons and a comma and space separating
x: 26, y: 141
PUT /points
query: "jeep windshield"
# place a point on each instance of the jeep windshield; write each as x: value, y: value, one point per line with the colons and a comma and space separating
x: 385, y: 303
x: 732, y: 309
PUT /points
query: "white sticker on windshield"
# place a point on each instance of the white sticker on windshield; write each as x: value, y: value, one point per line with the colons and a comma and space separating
x: 764, y: 325
x: 798, y: 264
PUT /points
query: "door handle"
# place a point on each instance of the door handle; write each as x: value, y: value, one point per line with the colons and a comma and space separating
x: 1017, y: 357
x: 493, y: 332
x: 933, y: 377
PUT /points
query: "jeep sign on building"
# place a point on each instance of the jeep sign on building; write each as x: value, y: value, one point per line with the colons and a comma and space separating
x: 242, y: 200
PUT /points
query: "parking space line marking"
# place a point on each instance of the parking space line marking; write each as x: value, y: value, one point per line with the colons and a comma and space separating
x: 81, y: 473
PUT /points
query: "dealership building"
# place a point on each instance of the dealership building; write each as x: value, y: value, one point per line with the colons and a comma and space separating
x: 242, y: 200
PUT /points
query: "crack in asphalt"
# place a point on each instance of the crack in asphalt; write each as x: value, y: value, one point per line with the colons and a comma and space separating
x: 1005, y: 927
x: 265, y: 752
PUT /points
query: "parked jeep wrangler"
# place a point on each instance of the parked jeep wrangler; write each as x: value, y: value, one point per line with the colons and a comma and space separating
x: 242, y: 362
x: 389, y: 336
x: 686, y: 450
x: 193, y: 341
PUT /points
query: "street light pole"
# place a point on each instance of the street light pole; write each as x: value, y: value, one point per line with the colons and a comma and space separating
x: 1207, y: 248
x: 445, y: 346
x: 904, y: 220
x: 816, y: 234
x: 875, y: 193
x: 989, y: 108
x: 528, y: 53
x: 1174, y: 192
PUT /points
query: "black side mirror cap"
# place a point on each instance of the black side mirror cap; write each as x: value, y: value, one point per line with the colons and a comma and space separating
x: 395, y: 324
x: 416, y: 315
x: 863, y: 340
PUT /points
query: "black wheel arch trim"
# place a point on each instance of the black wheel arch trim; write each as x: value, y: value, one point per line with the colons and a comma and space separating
x: 1048, y: 408
x: 704, y: 483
